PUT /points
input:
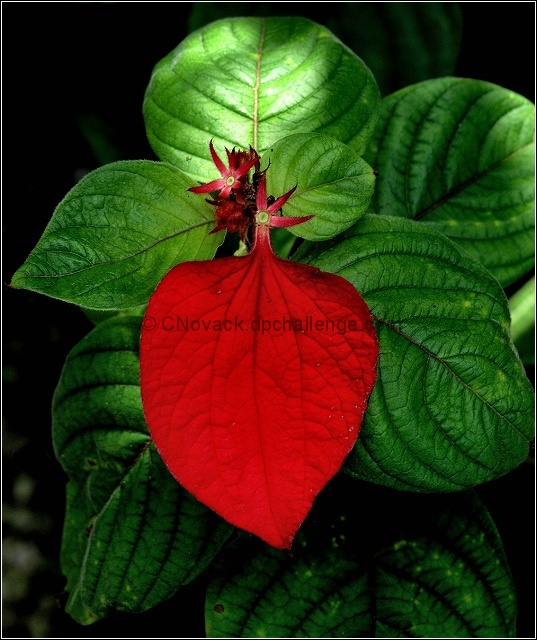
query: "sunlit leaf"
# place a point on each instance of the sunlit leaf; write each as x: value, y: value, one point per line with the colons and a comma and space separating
x: 252, y: 81
x: 401, y: 42
x: 115, y: 235
x: 334, y: 185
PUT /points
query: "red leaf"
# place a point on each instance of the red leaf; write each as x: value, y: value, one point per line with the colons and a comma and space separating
x: 255, y: 373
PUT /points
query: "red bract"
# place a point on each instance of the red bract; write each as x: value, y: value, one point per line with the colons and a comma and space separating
x: 255, y: 374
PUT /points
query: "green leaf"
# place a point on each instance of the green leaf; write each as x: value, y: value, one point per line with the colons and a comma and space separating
x: 385, y: 565
x: 334, y: 184
x: 452, y: 406
x: 252, y: 81
x: 95, y: 317
x: 116, y: 234
x: 458, y: 154
x: 401, y: 42
x: 132, y: 535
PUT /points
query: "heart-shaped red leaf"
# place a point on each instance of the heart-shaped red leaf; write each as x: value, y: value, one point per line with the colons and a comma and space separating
x: 255, y: 373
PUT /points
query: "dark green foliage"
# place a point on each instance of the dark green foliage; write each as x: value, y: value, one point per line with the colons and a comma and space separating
x: 429, y: 243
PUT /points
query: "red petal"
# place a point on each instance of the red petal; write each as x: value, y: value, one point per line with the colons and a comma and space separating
x: 281, y: 221
x: 218, y: 163
x: 251, y: 413
x: 215, y: 185
x: 261, y: 195
x: 278, y: 204
x: 244, y: 168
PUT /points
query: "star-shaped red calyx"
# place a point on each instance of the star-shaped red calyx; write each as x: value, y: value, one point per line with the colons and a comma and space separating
x: 241, y: 201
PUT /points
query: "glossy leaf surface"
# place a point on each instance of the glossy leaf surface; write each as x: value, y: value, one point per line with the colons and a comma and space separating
x: 458, y: 155
x: 132, y: 535
x: 452, y: 406
x: 255, y: 374
x: 252, y: 81
x: 384, y: 565
x: 401, y: 42
x: 334, y: 185
x: 115, y: 235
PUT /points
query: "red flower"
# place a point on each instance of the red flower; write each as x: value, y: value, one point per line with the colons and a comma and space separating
x: 266, y: 214
x: 231, y: 216
x: 233, y: 176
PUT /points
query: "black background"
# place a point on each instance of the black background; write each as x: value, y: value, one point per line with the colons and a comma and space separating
x: 62, y: 61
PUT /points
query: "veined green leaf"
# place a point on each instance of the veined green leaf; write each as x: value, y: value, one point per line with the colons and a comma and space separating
x: 452, y: 406
x: 116, y: 234
x: 334, y: 185
x: 132, y: 535
x: 458, y: 155
x: 401, y: 42
x: 252, y: 81
x: 383, y: 565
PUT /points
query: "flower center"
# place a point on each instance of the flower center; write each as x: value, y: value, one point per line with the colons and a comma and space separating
x: 230, y: 181
x: 262, y: 217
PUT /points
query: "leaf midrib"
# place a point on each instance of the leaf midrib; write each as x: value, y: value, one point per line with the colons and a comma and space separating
x: 459, y: 380
x: 258, y: 83
x: 122, y: 258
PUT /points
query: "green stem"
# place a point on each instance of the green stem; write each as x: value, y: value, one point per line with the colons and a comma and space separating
x: 522, y: 306
x: 282, y: 242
